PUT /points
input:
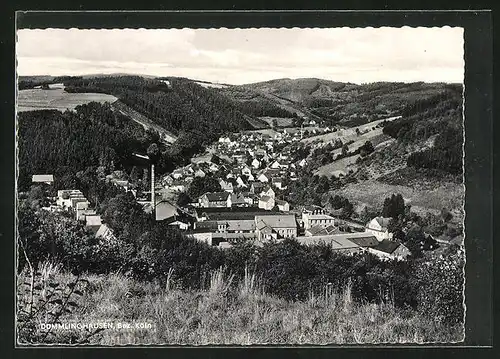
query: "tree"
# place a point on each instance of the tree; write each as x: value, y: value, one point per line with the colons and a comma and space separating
x: 394, y: 206
x: 357, y: 131
x: 183, y: 199
x: 154, y: 153
x: 345, y: 149
x: 200, y: 186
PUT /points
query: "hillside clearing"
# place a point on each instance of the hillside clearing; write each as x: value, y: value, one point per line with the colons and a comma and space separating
x: 57, y: 99
x: 372, y: 192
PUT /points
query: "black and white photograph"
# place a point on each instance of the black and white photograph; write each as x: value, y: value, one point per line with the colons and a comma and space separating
x: 240, y: 186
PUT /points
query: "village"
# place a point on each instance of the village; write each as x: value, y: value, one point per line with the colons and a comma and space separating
x: 252, y: 170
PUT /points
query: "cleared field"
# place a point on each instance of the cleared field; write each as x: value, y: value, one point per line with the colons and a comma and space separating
x: 350, y: 133
x: 373, y: 193
x: 336, y: 168
x: 281, y: 122
x: 57, y: 99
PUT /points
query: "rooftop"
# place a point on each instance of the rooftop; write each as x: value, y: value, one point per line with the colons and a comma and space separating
x: 278, y: 221
x: 42, y: 178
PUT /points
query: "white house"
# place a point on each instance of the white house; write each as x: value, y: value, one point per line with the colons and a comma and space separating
x: 246, y: 171
x: 199, y: 173
x: 263, y: 178
x: 268, y: 191
x: 283, y: 206
x: 378, y: 227
x: 226, y: 186
x: 266, y: 202
x: 302, y: 162
x: 255, y: 163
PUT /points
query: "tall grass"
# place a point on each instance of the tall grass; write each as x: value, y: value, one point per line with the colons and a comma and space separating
x: 240, y: 312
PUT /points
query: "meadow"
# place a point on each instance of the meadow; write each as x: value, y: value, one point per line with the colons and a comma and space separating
x: 224, y: 313
x: 56, y: 99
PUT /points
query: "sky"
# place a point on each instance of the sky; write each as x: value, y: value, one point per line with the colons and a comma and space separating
x: 239, y: 56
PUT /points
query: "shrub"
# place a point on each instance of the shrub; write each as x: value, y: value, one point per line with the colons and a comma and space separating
x: 441, y: 285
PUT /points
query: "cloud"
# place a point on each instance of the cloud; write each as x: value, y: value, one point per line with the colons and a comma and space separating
x: 249, y: 55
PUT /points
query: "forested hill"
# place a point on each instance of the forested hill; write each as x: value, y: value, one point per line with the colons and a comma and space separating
x: 62, y: 144
x: 335, y: 103
x: 196, y: 114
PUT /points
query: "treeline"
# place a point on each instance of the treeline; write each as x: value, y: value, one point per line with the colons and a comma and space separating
x: 440, y: 115
x: 196, y: 114
x: 149, y: 251
x: 52, y: 142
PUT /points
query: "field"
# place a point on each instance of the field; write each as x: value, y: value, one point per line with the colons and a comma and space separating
x: 349, y: 133
x: 228, y: 313
x: 281, y: 122
x: 56, y: 99
x: 373, y: 193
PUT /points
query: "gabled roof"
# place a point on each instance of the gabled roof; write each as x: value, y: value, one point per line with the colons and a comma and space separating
x: 382, y: 221
x: 281, y: 202
x: 217, y: 196
x: 265, y: 198
x: 278, y: 221
x: 387, y: 246
x: 42, y: 178
x: 93, y: 220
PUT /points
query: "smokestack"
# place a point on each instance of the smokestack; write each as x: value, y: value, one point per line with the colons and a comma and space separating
x: 153, y: 190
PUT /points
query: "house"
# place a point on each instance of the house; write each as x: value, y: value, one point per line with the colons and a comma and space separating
x: 263, y: 178
x: 266, y: 202
x: 81, y: 210
x: 165, y: 210
x: 302, y: 163
x: 215, y: 199
x: 199, y: 173
x: 178, y: 186
x: 256, y: 187
x: 311, y: 220
x: 275, y: 227
x: 345, y: 242
x: 105, y: 233
x: 47, y: 179
x: 240, y: 182
x: 268, y: 191
x: 167, y: 181
x: 278, y: 182
x: 224, y: 140
x: 213, y: 167
x: 283, y: 206
x: 246, y: 171
x: 181, y: 224
x: 69, y: 198
x: 238, y: 200
x: 248, y: 197
x: 389, y: 249
x: 275, y: 165
x: 93, y: 223
x: 255, y: 163
x: 226, y: 186
x: 177, y: 174
x: 378, y: 227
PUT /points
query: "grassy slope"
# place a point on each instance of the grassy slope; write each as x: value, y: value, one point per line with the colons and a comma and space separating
x: 243, y: 315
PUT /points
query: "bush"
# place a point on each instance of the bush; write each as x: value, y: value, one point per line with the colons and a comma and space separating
x: 441, y: 285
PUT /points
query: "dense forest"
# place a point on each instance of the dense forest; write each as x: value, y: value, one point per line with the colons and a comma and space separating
x: 64, y: 143
x: 197, y: 115
x: 439, y: 116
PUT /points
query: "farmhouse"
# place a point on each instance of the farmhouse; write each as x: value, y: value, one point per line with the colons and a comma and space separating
x: 275, y: 227
x: 378, y: 227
